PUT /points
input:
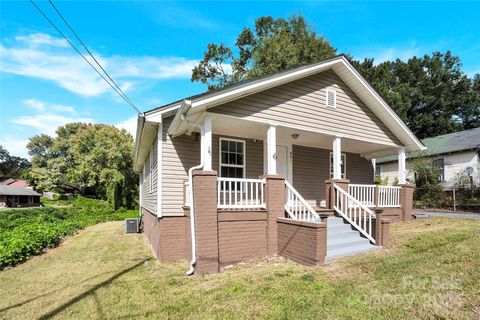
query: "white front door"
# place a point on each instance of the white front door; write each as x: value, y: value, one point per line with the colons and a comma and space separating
x: 282, y: 161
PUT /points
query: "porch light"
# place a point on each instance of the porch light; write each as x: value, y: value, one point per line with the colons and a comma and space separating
x: 295, y: 136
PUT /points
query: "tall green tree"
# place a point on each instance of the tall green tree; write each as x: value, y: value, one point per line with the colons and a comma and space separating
x: 431, y: 93
x: 12, y: 166
x: 274, y: 45
x: 97, y: 158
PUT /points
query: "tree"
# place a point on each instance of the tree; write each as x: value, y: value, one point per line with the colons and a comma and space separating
x: 431, y: 94
x: 275, y: 45
x: 12, y: 166
x: 97, y: 158
x: 427, y: 186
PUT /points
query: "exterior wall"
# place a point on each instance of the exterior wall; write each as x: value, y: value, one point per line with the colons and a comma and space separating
x: 9, y: 201
x: 169, y: 237
x: 179, y: 155
x: 241, y: 235
x: 311, y: 167
x: 289, y: 104
x: 454, y: 163
x: 302, y: 242
x: 149, y: 184
x: 182, y: 153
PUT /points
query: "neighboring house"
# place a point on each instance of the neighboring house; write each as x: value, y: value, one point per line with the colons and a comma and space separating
x: 454, y: 154
x: 271, y: 166
x: 15, y: 183
x: 18, y: 197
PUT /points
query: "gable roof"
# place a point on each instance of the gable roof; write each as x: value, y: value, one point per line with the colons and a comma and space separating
x: 17, y: 191
x: 339, y: 64
x: 447, y: 143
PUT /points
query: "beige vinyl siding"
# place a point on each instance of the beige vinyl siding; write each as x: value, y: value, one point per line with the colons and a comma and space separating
x: 149, y: 185
x: 254, y: 156
x: 301, y: 103
x: 311, y: 167
x: 183, y: 152
x: 179, y: 155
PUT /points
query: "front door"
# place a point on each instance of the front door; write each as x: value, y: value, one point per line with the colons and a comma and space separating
x: 282, y: 161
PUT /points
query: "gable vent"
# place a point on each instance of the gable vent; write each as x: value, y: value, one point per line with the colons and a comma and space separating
x: 331, y: 98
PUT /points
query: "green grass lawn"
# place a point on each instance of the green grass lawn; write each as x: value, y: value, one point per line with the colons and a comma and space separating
x: 431, y: 270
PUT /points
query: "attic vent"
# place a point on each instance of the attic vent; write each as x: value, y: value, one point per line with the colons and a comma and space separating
x: 331, y: 98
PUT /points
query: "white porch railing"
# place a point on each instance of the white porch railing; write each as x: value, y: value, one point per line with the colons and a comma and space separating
x: 365, y: 193
x: 356, y: 213
x: 297, y: 207
x: 388, y: 196
x: 236, y: 193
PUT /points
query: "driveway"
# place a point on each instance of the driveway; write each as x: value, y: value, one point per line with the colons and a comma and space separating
x: 448, y: 214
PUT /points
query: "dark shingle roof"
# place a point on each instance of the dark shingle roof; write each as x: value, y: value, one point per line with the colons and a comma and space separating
x: 447, y: 143
x: 17, y: 191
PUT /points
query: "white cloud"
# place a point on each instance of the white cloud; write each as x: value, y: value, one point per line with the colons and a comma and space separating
x: 16, y: 147
x: 130, y: 125
x: 47, y: 123
x: 35, y: 39
x: 43, y: 106
x: 46, y: 57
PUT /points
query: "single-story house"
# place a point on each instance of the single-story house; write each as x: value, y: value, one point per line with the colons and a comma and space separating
x: 18, y: 197
x: 15, y: 182
x: 281, y: 165
x: 454, y: 154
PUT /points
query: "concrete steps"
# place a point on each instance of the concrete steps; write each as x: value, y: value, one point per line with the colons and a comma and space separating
x: 343, y: 240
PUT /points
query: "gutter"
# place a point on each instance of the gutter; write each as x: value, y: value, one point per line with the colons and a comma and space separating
x: 192, y: 220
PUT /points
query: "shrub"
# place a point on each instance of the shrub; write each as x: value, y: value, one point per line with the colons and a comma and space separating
x: 28, y: 232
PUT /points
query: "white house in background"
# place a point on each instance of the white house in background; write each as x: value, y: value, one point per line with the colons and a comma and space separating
x: 453, y: 153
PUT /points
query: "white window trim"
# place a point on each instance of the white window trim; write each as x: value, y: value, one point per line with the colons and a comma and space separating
x: 244, y: 166
x: 343, y: 175
x: 334, y: 98
x: 444, y: 171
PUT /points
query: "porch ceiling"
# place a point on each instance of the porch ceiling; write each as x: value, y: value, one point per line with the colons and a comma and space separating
x: 237, y: 127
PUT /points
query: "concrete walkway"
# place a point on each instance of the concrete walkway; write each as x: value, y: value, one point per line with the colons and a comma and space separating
x: 448, y: 214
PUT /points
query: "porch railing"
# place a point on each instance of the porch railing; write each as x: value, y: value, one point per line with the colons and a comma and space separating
x: 356, y: 213
x: 365, y: 193
x: 297, y: 207
x: 388, y: 196
x: 236, y: 193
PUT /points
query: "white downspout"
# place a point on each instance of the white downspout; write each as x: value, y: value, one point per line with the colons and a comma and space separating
x: 192, y: 218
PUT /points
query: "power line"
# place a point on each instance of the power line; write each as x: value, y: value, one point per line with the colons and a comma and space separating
x: 90, y: 53
x: 119, y: 91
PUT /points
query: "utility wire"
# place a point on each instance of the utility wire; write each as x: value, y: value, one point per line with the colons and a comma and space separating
x: 90, y: 53
x: 119, y: 91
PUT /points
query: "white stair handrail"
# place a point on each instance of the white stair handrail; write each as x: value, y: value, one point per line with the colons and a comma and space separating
x: 356, y: 213
x: 297, y: 207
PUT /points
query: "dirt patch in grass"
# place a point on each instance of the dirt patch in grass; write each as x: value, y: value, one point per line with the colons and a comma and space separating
x: 429, y: 271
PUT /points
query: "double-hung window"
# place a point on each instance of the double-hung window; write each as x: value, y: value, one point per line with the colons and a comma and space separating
x: 342, y: 165
x: 439, y: 164
x: 232, y: 158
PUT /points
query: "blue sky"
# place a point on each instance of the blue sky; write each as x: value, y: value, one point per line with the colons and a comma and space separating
x: 150, y: 47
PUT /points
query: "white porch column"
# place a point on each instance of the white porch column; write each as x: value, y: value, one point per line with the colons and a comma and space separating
x: 337, y: 158
x: 401, y: 166
x: 272, y: 150
x: 206, y: 143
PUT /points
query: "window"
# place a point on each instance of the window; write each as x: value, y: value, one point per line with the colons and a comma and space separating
x: 439, y: 164
x: 16, y: 199
x: 30, y: 199
x: 342, y: 165
x: 378, y: 171
x: 232, y: 158
x: 331, y: 99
